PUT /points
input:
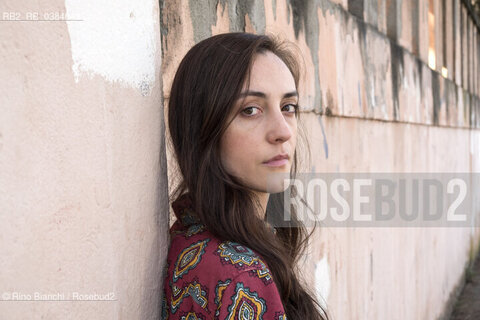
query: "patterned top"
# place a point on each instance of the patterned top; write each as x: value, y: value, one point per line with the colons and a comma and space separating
x: 206, y: 278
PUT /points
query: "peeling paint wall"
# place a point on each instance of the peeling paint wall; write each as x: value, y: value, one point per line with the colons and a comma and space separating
x: 96, y: 52
x: 372, y: 101
x: 83, y: 188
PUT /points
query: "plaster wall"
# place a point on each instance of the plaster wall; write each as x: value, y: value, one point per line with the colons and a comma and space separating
x: 83, y: 182
x: 370, y: 103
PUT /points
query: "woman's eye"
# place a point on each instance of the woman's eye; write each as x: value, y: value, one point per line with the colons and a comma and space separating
x: 293, y: 107
x: 250, y: 111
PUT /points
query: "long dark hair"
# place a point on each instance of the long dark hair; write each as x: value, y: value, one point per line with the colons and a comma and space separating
x: 208, y: 81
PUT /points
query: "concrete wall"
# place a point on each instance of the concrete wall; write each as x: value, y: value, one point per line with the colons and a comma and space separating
x: 83, y: 190
x: 371, y: 103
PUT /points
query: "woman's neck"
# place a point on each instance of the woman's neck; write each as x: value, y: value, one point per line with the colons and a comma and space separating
x: 263, y: 198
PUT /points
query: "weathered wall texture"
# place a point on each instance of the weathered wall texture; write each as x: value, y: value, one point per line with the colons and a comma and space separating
x: 374, y: 100
x: 83, y: 190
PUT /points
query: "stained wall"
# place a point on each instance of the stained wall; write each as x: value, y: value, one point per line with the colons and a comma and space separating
x: 83, y: 188
x: 389, y: 86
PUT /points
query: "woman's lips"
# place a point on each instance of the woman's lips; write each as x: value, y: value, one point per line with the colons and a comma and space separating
x: 276, y: 163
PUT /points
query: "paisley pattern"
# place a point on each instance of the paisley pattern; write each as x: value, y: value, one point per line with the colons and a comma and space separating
x: 192, y: 316
x: 263, y: 273
x: 194, y: 229
x: 207, y: 278
x: 193, y: 290
x: 189, y: 258
x: 246, y: 305
x: 165, y: 310
x: 219, y: 289
x: 243, y: 257
x: 236, y: 254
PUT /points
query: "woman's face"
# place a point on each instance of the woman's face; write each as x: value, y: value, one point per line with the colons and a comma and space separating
x: 264, y: 126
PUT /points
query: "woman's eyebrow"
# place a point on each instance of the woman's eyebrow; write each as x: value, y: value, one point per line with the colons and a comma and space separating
x: 263, y: 95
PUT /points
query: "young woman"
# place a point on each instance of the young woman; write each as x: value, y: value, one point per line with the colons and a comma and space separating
x: 232, y: 116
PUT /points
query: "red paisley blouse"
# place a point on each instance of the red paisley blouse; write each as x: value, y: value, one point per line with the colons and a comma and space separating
x: 206, y: 278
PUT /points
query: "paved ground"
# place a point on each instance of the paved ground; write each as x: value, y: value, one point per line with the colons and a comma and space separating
x: 467, y: 306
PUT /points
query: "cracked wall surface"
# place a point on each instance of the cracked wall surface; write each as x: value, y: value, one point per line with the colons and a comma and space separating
x: 83, y: 188
x: 371, y: 101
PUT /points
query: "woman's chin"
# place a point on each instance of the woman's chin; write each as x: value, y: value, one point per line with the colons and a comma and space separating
x: 278, y: 182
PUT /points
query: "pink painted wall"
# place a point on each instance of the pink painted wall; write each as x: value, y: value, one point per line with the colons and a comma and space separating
x: 367, y: 80
x: 83, y: 189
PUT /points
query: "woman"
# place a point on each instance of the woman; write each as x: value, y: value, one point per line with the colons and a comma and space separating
x: 232, y: 116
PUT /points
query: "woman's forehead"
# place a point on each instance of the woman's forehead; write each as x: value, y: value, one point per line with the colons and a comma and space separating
x: 270, y: 73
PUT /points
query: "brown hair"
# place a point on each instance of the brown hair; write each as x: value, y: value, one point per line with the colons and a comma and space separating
x: 205, y: 87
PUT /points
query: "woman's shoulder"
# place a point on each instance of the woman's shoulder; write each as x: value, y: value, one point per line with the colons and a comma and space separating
x: 196, y: 250
x: 217, y: 278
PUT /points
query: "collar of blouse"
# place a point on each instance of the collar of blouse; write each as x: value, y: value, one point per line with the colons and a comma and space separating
x: 184, y: 212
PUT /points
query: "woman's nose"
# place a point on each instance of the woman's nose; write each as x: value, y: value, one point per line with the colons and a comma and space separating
x: 279, y: 129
